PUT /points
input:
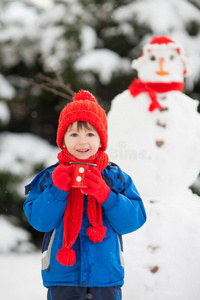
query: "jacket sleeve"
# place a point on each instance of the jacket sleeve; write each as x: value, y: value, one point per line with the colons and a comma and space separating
x: 124, y: 208
x: 45, y: 204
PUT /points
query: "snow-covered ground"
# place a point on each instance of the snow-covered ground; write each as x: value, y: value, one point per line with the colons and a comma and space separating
x: 20, y: 273
x: 20, y: 264
x: 20, y: 277
x: 162, y: 259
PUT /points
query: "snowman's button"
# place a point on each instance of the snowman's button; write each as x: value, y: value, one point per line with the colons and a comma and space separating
x: 164, y: 109
x: 78, y: 178
x: 163, y: 97
x: 159, y: 143
x: 163, y: 125
x: 81, y: 170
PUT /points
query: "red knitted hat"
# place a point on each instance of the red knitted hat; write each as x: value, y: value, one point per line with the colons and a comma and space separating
x: 83, y: 108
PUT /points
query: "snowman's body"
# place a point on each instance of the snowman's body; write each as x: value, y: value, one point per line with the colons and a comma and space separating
x: 156, y: 147
x: 160, y: 149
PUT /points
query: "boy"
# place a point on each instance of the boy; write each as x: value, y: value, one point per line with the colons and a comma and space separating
x: 81, y: 251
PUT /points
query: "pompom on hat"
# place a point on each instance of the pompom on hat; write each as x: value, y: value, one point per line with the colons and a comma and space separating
x: 163, y: 42
x: 83, y: 108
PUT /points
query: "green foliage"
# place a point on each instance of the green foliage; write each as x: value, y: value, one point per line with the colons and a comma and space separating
x: 193, y: 28
x: 10, y: 200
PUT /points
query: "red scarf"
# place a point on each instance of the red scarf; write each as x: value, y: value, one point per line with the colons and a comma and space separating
x: 152, y: 88
x: 74, y: 211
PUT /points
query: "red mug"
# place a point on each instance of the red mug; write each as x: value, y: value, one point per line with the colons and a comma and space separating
x: 78, y: 174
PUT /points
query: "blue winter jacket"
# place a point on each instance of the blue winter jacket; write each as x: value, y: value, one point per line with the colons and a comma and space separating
x: 97, y: 264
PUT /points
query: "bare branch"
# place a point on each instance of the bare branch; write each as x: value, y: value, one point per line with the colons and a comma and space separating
x: 52, y: 90
x: 51, y: 85
x: 60, y: 82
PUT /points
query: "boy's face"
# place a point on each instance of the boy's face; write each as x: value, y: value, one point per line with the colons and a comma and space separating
x: 82, y: 143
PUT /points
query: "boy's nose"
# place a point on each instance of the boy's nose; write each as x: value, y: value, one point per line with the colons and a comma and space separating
x: 82, y: 141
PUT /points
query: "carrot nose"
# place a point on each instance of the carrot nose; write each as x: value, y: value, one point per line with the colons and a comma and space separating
x: 161, y: 72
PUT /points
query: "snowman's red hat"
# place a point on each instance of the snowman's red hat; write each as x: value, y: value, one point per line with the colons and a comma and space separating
x: 161, y: 40
x: 162, y: 43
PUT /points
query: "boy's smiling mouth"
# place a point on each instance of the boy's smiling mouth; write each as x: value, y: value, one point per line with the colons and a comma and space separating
x: 82, y: 150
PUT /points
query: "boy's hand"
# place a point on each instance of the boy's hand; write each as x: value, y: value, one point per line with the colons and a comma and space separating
x: 62, y: 177
x: 96, y: 185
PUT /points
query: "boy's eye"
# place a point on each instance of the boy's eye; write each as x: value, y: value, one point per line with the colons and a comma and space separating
x: 90, y: 134
x: 74, y: 134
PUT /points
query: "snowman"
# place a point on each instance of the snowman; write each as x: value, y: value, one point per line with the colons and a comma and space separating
x: 154, y: 128
x: 154, y: 135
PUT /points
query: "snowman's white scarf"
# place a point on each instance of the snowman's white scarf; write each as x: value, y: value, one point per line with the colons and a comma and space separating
x: 152, y: 88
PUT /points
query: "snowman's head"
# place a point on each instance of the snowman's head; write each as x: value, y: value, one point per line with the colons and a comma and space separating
x: 162, y: 61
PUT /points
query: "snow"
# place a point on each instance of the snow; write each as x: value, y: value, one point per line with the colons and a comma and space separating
x: 16, y: 149
x: 4, y: 113
x: 21, y: 153
x: 20, y: 13
x: 47, y: 45
x: 20, y: 277
x: 43, y: 3
x: 104, y: 62
x: 168, y: 14
x: 191, y: 48
x: 6, y: 90
x: 88, y: 38
x: 13, y: 238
